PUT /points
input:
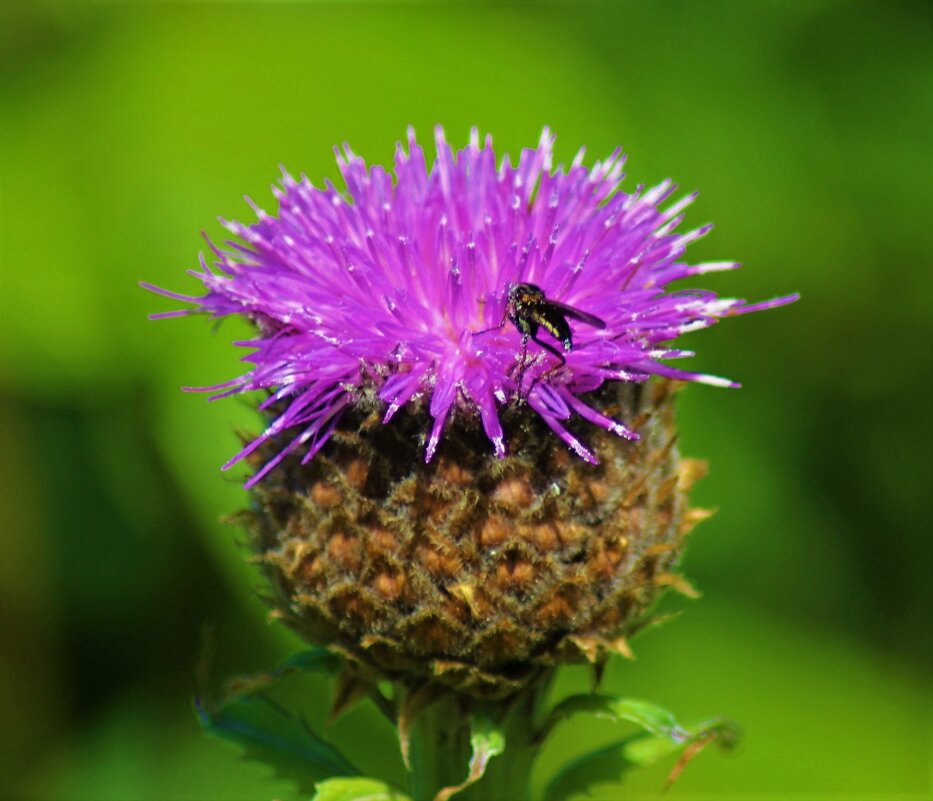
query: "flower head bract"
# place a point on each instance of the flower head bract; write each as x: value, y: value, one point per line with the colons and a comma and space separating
x: 395, y: 290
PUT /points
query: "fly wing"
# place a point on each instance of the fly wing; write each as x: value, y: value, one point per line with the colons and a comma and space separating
x: 576, y: 314
x: 554, y: 321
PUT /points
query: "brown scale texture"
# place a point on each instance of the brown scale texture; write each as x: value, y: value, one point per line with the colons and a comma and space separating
x: 472, y: 571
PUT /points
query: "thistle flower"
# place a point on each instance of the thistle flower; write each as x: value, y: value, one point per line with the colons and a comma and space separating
x: 430, y: 341
x: 394, y: 293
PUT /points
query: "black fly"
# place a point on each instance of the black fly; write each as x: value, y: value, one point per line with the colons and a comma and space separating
x: 530, y: 310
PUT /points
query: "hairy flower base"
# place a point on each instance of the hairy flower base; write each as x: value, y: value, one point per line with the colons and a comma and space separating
x: 473, y: 571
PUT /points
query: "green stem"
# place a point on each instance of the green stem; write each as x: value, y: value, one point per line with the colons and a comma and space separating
x: 509, y: 776
x: 440, y: 746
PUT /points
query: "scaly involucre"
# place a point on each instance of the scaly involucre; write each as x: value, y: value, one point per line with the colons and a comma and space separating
x: 398, y: 288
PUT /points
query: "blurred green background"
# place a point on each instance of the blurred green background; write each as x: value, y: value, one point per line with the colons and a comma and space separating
x: 126, y: 129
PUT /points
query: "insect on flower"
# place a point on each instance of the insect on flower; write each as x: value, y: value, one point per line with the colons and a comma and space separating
x: 529, y: 309
x: 377, y: 289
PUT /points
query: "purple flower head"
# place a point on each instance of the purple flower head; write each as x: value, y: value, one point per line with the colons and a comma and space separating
x: 403, y: 288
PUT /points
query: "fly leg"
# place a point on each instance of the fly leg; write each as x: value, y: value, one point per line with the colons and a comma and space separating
x: 522, y: 364
x: 550, y: 349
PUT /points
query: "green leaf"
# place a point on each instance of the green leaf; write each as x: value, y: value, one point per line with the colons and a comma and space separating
x: 311, y: 660
x: 649, y: 716
x: 610, y: 764
x: 356, y: 790
x: 271, y: 735
x: 486, y: 740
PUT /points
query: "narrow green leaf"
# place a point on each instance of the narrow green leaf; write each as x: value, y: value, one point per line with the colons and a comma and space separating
x: 356, y: 790
x: 649, y: 716
x: 486, y: 740
x: 609, y: 765
x: 269, y: 734
x: 311, y: 660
